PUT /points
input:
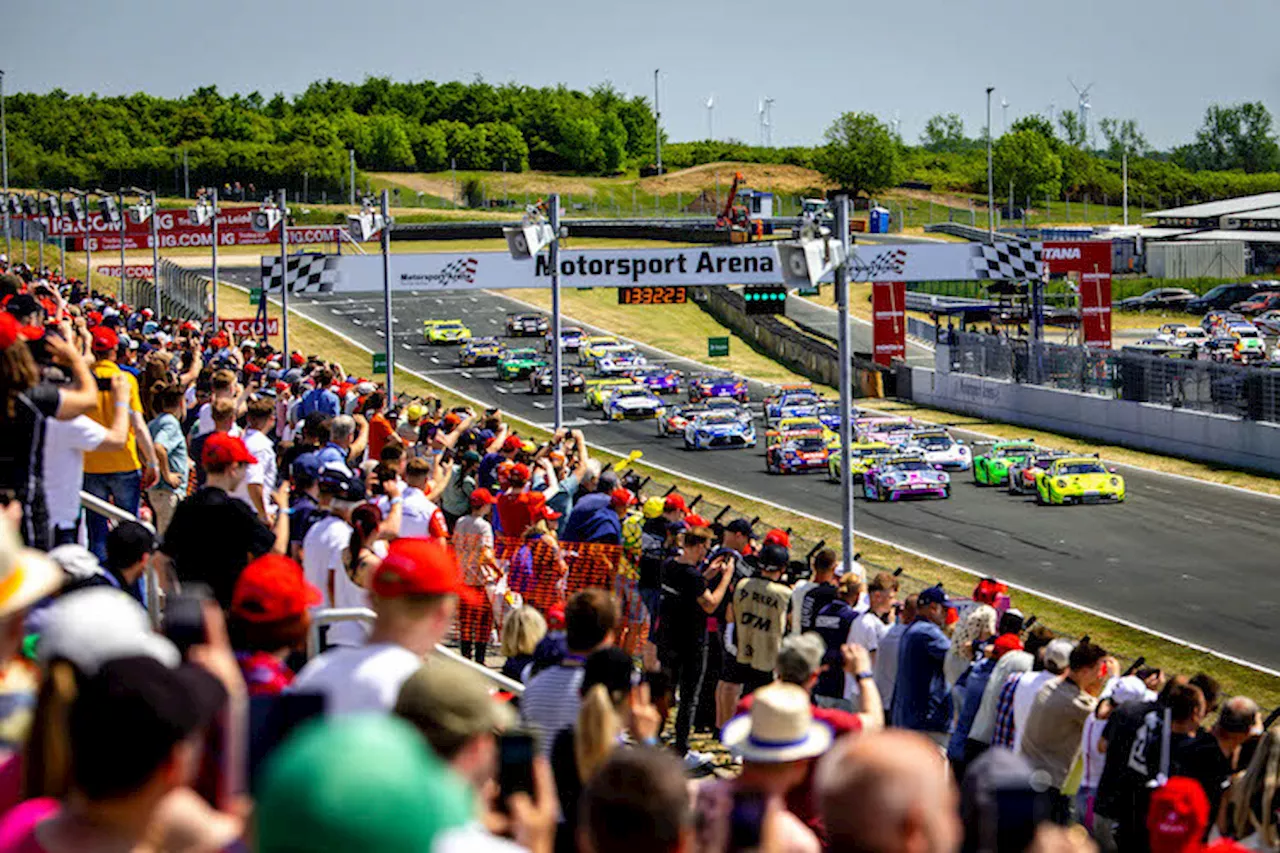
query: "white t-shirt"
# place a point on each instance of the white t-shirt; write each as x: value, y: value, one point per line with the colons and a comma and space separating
x: 866, y: 630
x: 359, y: 679
x: 205, y: 424
x: 262, y: 473
x: 65, y: 443
x: 322, y: 552
x: 1024, y: 696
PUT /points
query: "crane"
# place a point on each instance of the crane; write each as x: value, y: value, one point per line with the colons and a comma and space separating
x: 737, y: 217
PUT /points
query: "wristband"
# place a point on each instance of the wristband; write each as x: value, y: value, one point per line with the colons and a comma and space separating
x: 122, y: 404
x: 396, y: 501
x: 650, y: 741
x: 863, y: 676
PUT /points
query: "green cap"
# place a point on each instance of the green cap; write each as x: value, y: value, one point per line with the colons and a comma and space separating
x: 359, y: 783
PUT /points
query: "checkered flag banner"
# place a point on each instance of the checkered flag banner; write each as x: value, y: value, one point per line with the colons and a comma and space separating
x: 1006, y: 260
x: 463, y: 268
x: 307, y: 273
x: 881, y: 263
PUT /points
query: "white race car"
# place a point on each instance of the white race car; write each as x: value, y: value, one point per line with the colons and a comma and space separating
x: 631, y: 403
x: 940, y: 450
x: 718, y: 430
x: 619, y: 359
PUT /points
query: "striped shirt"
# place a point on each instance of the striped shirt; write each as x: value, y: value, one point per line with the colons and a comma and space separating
x: 1004, y: 732
x: 550, y: 702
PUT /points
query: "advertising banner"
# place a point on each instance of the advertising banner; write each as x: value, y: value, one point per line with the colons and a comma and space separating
x: 176, y: 230
x: 130, y: 271
x: 1091, y: 261
x: 243, y: 327
x: 888, y: 321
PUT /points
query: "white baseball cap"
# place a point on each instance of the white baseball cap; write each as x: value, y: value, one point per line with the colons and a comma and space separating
x: 93, y: 626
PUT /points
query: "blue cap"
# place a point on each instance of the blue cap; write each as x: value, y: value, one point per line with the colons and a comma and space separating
x: 484, y: 436
x: 933, y: 595
x: 307, y: 467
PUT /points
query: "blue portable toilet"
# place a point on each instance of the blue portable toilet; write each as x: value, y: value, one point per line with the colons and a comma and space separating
x: 879, y: 220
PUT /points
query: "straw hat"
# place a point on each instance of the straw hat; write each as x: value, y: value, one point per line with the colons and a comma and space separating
x: 26, y: 575
x: 780, y: 728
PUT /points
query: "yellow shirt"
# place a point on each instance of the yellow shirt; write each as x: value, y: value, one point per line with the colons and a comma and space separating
x: 113, y: 461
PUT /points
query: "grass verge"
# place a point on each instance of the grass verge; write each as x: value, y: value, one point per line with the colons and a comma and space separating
x: 1120, y: 639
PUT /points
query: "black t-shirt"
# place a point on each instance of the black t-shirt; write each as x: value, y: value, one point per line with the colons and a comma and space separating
x: 292, y: 453
x: 212, y: 537
x: 564, y: 767
x: 1201, y: 759
x: 1123, y: 795
x: 22, y: 458
x: 653, y: 538
x: 683, y: 622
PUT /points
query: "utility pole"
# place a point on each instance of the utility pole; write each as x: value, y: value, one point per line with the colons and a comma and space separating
x: 991, y: 189
x: 186, y: 173
x: 657, y: 122
x: 4, y: 170
x: 557, y: 357
x: 845, y: 356
x: 155, y: 250
x: 1124, y: 165
x: 386, y: 299
x: 124, y: 225
x: 284, y: 272
x: 213, y: 192
x: 351, y: 168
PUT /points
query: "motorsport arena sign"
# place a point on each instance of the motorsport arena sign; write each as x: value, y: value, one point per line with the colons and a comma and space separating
x: 693, y: 267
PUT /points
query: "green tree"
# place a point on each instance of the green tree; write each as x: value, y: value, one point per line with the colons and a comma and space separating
x: 1025, y: 158
x: 860, y: 154
x: 613, y: 143
x: 389, y: 143
x: 944, y: 134
x: 1238, y: 136
x: 506, y: 145
x: 430, y: 148
x: 1072, y: 130
x: 580, y: 144
x: 1037, y: 124
x: 1123, y: 136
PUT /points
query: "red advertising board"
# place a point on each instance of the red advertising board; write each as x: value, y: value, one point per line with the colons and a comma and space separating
x: 244, y: 327
x: 1091, y: 261
x: 175, y: 230
x: 131, y: 271
x: 889, y: 321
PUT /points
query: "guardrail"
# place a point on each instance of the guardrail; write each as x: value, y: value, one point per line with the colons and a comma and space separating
x: 155, y: 595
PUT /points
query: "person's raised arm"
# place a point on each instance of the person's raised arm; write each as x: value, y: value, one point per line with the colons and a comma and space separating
x: 82, y: 396
x: 390, y: 527
x: 580, y: 447
x: 711, y: 599
x: 857, y: 664
x: 362, y: 439
x: 440, y: 478
x: 281, y: 528
x: 197, y: 364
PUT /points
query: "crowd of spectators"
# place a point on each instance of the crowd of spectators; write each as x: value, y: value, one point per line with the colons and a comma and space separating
x: 629, y: 675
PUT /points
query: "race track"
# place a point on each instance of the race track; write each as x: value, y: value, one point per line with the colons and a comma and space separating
x: 1191, y: 560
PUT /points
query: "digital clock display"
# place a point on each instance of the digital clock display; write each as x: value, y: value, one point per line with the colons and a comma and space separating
x: 653, y: 295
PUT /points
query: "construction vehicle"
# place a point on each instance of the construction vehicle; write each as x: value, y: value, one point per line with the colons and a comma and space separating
x: 736, y: 217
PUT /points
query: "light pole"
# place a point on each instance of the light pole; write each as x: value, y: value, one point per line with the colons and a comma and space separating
x: 351, y: 168
x: 145, y: 211
x: 4, y: 170
x: 80, y: 216
x: 657, y: 123
x: 991, y: 188
x: 213, y: 224
x: 386, y: 298
x: 284, y: 272
x: 557, y: 357
x: 1124, y: 164
x: 846, y: 386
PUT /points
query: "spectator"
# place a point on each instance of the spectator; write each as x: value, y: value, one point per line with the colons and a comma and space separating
x: 488, y: 474
x: 1051, y: 738
x: 26, y: 405
x: 320, y: 399
x: 455, y: 501
x: 222, y: 386
x: 682, y: 632
x: 974, y: 629
x: 224, y: 423
x: 721, y: 651
x: 551, y: 699
x: 325, y: 551
x: 653, y: 554
x: 887, y: 793
x: 130, y: 546
x: 758, y: 614
x: 1004, y: 806
x: 344, y: 445
x: 171, y: 451
x: 26, y: 576
x: 1252, y: 811
x: 598, y: 517
x: 305, y: 507
x: 522, y: 631
x: 65, y: 443
x: 261, y: 478
x: 1117, y: 692
x: 579, y: 479
x: 1210, y: 756
x: 812, y: 595
x: 1013, y: 664
x: 612, y: 703
x: 834, y: 623
x: 886, y: 663
x: 414, y: 593
x: 636, y: 803
x: 362, y: 783
x: 1053, y: 662
x: 921, y: 700
x: 970, y: 689
x: 473, y: 541
x: 1178, y: 818
x: 269, y: 620
x: 212, y: 536
x: 312, y: 436
x: 634, y: 631
x: 379, y: 426
x: 873, y: 622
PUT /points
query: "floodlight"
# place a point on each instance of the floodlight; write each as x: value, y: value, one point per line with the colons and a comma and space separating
x: 75, y: 209
x: 200, y: 214
x: 31, y: 205
x: 265, y: 219
x: 53, y: 207
x: 110, y: 211
x: 363, y: 225
x: 14, y: 204
x: 140, y: 212
x: 528, y: 238
x: 805, y: 261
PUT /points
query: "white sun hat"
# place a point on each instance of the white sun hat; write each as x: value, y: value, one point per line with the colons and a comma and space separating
x: 779, y: 728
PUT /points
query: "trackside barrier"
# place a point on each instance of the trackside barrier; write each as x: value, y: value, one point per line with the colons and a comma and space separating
x: 155, y: 605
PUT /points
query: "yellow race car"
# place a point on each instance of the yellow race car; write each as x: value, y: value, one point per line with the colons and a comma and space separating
x: 808, y: 423
x: 445, y: 332
x: 1078, y: 480
x: 599, y: 390
x: 862, y: 455
x: 593, y: 346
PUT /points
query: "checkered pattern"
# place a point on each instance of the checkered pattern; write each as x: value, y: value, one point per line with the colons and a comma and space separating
x: 1006, y: 260
x: 307, y: 272
x: 1004, y: 731
x: 881, y: 264
x: 463, y: 268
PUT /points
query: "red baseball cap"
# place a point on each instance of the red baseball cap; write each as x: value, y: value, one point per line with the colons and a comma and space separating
x: 479, y: 497
x: 271, y: 589
x: 417, y: 566
x: 281, y: 386
x: 1177, y: 816
x: 777, y: 537
x: 223, y: 449
x: 513, y: 442
x: 218, y: 341
x: 105, y: 339
x: 694, y: 520
x: 555, y: 617
x: 622, y: 497
x: 11, y: 330
x: 297, y: 360
x: 1006, y: 643
x: 673, y: 502
x: 94, y: 318
x: 519, y: 474
x: 252, y: 368
x: 450, y: 421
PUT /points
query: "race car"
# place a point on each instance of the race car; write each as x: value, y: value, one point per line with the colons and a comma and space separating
x: 940, y: 450
x: 676, y: 418
x: 598, y: 390
x: 592, y: 346
x: 1182, y: 335
x: 657, y: 378
x: 478, y: 351
x: 801, y: 451
x: 445, y: 332
x: 718, y: 431
x: 521, y: 325
x: 570, y: 339
x: 810, y: 423
x: 519, y: 363
x: 1079, y: 480
x: 801, y: 399
x: 991, y: 468
x: 620, y: 359
x: 1249, y: 350
x: 895, y: 431
x: 570, y: 380
x: 897, y: 477
x: 862, y: 455
x: 632, y: 402
x: 1023, y: 476
x: 706, y: 386
x: 829, y: 413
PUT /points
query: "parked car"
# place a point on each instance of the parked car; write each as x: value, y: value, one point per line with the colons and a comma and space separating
x: 1159, y: 299
x: 1266, y: 300
x: 1225, y: 295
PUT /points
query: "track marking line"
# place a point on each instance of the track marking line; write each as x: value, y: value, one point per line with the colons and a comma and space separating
x: 435, y: 360
x: 538, y: 405
x: 465, y: 373
x: 1127, y: 623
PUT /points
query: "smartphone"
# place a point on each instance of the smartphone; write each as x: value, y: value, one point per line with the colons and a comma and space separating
x: 515, y: 765
x: 184, y: 616
x: 104, y: 384
x: 746, y: 820
x: 272, y: 719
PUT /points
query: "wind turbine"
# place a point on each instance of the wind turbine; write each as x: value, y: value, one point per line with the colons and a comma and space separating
x: 1082, y: 98
x: 711, y: 105
x: 764, y: 111
x: 897, y: 122
x: 1004, y: 115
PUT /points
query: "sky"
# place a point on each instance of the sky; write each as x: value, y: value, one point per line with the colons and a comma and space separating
x: 1160, y: 62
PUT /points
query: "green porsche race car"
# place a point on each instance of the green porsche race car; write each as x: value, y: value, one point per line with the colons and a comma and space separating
x: 519, y: 363
x: 991, y: 468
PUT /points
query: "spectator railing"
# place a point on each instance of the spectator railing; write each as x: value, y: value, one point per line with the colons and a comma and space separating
x: 113, y: 512
x: 183, y: 292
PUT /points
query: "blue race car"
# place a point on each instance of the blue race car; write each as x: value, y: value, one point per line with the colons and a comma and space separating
x: 799, y: 401
x: 632, y: 402
x: 658, y: 379
x: 709, y: 386
x: 829, y: 413
x: 897, y: 477
x: 717, y: 431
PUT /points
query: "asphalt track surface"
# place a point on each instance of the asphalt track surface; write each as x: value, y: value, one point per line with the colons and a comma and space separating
x: 1191, y: 560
